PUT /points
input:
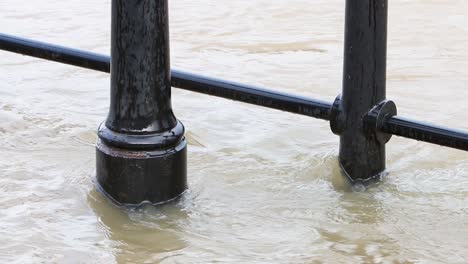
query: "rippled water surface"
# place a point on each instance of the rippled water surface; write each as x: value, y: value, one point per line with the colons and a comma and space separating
x: 264, y: 185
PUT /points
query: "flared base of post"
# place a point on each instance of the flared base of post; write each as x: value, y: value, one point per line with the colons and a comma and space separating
x: 131, y: 177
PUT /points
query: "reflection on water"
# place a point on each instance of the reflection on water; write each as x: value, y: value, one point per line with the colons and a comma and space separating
x: 265, y: 186
x: 147, y: 234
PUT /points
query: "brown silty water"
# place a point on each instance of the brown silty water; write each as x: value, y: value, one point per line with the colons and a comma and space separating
x: 265, y: 186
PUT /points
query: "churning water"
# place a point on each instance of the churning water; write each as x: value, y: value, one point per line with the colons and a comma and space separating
x: 264, y: 185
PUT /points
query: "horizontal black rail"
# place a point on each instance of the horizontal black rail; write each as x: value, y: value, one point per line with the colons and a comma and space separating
x: 183, y: 80
x: 84, y: 59
x: 430, y: 133
x: 240, y: 92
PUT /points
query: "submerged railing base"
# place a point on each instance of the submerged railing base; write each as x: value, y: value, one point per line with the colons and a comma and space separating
x: 131, y: 177
x: 361, y: 184
x: 141, y: 153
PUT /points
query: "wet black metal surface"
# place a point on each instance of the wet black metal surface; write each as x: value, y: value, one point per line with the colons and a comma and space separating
x: 131, y: 177
x: 140, y: 68
x: 252, y: 95
x: 151, y: 141
x: 362, y: 155
x: 141, y: 153
x: 426, y: 132
x: 84, y: 59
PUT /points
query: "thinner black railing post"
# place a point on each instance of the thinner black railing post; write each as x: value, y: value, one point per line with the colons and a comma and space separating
x: 141, y: 149
x: 362, y: 148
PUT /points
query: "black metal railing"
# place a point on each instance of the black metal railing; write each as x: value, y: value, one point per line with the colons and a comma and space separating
x: 361, y: 115
x: 396, y: 125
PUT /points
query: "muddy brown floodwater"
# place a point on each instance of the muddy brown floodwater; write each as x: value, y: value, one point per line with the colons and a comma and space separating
x: 264, y: 185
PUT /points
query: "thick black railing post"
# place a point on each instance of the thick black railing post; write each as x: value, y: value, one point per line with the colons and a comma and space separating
x: 141, y: 150
x: 362, y: 148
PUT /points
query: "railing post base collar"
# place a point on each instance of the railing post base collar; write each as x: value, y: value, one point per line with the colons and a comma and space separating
x: 132, y: 177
